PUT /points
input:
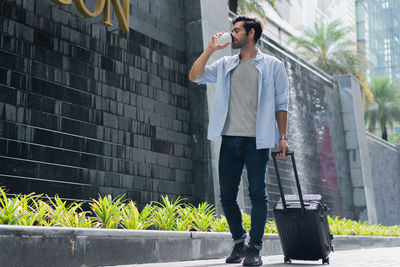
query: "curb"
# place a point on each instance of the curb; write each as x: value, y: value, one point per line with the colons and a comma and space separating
x: 55, y: 246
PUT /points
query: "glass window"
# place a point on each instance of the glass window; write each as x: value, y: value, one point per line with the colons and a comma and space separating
x: 385, y: 4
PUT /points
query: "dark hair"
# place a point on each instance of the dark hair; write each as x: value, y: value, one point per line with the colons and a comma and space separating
x: 250, y: 23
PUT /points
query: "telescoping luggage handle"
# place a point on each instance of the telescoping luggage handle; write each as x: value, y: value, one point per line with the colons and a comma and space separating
x: 291, y: 154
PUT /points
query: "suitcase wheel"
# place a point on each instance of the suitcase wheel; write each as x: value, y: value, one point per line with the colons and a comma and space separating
x: 326, y: 260
x: 287, y: 260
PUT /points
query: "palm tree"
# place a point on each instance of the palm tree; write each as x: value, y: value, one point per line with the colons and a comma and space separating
x: 326, y: 47
x: 385, y: 108
x: 356, y: 64
x: 323, y: 45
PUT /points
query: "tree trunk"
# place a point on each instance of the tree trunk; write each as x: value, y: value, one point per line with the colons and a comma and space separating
x: 384, y: 134
x: 233, y: 5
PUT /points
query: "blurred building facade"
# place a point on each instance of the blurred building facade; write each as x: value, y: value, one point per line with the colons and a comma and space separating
x: 299, y: 15
x: 378, y: 27
x: 378, y: 30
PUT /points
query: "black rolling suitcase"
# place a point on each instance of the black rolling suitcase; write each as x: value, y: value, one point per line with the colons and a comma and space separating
x: 302, y: 223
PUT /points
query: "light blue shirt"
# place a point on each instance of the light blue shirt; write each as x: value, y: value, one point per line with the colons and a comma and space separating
x: 273, y: 95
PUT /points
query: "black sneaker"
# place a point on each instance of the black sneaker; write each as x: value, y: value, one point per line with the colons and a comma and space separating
x: 253, y: 257
x: 238, y: 253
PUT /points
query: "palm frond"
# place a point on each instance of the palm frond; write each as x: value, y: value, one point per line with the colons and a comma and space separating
x: 329, y: 49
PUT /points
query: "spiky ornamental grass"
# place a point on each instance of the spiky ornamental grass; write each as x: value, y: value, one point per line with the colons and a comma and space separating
x: 108, y: 212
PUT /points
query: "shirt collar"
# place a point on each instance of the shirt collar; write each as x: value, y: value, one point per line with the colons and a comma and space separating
x: 259, y: 56
x: 234, y: 62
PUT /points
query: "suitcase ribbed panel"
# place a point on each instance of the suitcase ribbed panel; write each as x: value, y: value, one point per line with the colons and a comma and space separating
x: 303, y: 237
x: 311, y: 201
x: 306, y: 197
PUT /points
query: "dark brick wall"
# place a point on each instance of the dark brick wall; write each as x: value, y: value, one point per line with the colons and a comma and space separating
x: 86, y: 110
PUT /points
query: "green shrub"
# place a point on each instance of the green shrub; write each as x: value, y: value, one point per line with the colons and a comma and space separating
x: 343, y: 226
x: 14, y: 208
x: 35, y: 212
x: 166, y: 215
x: 246, y: 221
x: 202, y: 217
x: 133, y: 219
x: 184, y: 219
x: 108, y: 211
x: 220, y: 224
x: 270, y: 227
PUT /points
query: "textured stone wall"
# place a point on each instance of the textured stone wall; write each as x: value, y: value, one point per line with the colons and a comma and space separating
x: 357, y: 150
x: 86, y: 110
x: 385, y: 172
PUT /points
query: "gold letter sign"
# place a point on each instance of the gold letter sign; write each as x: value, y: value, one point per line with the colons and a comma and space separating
x: 122, y: 12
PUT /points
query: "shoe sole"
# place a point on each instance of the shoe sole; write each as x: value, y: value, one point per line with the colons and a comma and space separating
x: 237, y: 261
x: 246, y: 264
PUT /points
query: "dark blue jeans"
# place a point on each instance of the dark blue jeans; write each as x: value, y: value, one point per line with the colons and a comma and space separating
x: 235, y: 152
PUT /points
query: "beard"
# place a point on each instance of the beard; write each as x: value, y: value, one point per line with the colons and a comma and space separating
x: 237, y: 44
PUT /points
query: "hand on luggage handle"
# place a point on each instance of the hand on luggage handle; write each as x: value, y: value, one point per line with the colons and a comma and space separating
x: 282, y: 154
x: 291, y: 154
x: 288, y: 153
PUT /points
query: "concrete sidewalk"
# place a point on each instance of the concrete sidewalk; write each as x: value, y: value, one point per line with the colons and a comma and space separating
x: 375, y: 257
x: 71, y: 247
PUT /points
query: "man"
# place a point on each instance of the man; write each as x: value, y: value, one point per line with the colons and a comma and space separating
x: 251, y: 100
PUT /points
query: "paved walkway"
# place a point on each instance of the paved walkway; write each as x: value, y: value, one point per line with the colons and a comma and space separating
x: 376, y: 257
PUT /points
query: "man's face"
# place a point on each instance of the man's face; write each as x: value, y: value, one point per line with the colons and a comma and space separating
x: 240, y: 38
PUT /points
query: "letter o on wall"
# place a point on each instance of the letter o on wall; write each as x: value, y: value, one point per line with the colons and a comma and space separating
x: 81, y: 6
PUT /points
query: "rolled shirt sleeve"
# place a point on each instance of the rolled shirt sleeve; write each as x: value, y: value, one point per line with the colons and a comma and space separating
x: 281, y: 84
x: 209, y: 74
